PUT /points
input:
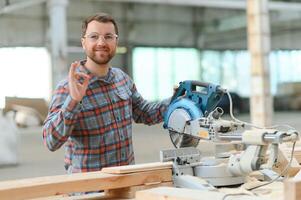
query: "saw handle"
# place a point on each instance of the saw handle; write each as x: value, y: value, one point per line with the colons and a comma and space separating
x: 206, y: 85
x: 187, y: 87
x: 206, y: 96
x: 199, y: 83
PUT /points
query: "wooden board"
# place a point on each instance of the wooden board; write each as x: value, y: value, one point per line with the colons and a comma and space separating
x: 287, y: 147
x: 168, y: 193
x: 130, y: 192
x: 39, y: 105
x: 292, y: 189
x: 297, y: 152
x: 137, y: 168
x: 81, y: 182
x: 273, y: 191
x: 284, y: 158
x: 94, y: 196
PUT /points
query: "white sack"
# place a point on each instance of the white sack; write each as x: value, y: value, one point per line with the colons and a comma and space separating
x: 8, y: 140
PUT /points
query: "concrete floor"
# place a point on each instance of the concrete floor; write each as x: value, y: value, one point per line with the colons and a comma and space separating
x: 35, y: 160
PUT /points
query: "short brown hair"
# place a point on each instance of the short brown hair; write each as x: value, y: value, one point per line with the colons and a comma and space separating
x: 100, y: 17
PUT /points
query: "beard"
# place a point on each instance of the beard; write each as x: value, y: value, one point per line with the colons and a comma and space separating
x: 101, y: 58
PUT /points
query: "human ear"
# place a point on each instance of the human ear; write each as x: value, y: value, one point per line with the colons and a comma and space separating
x: 83, y: 43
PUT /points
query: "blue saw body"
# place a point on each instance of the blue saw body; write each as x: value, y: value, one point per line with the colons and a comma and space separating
x: 189, y: 106
x: 193, y: 98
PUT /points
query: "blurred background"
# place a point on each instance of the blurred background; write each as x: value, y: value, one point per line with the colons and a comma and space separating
x: 160, y: 44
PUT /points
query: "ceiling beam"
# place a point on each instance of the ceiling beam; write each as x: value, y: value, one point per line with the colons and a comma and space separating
x: 239, y: 21
x: 226, y: 4
x: 17, y: 6
x: 282, y: 6
x: 229, y: 4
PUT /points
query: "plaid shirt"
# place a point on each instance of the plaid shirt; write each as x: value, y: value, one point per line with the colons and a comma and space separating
x: 98, y: 130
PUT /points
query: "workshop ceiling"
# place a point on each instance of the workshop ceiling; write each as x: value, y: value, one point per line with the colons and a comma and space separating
x: 205, y: 24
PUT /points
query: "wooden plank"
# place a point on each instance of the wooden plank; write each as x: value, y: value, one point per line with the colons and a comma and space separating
x: 94, y: 196
x: 137, y: 168
x: 130, y: 192
x: 81, y: 182
x: 168, y: 193
x: 297, y: 154
x: 110, y: 194
x: 283, y: 160
x: 298, y: 175
x: 273, y: 191
x: 297, y: 151
x: 38, y: 104
x: 292, y: 189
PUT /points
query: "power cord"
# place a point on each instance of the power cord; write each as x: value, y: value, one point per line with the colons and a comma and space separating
x: 250, y: 124
x: 234, y: 194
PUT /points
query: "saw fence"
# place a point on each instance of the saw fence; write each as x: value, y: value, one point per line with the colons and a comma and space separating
x: 140, y: 182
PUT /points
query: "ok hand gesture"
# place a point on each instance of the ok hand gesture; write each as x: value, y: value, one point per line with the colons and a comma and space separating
x: 77, y: 89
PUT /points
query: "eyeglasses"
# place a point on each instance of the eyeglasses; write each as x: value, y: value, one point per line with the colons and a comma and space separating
x: 94, y: 37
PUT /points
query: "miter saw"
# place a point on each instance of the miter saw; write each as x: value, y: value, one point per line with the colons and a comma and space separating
x: 193, y: 116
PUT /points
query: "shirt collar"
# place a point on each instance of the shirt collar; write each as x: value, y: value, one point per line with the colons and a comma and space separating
x: 107, y: 79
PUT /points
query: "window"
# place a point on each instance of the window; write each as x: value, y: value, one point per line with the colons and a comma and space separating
x: 157, y: 70
x: 25, y: 72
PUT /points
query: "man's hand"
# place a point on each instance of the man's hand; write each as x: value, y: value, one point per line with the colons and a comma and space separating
x: 175, y: 89
x: 77, y: 89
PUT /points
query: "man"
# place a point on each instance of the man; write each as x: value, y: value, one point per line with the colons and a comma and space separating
x: 92, y: 110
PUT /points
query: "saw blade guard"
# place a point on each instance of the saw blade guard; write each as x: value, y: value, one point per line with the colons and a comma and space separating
x: 192, y: 100
x: 182, y: 112
x: 186, y: 106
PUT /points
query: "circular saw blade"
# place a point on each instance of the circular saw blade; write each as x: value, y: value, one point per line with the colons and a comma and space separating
x: 180, y: 140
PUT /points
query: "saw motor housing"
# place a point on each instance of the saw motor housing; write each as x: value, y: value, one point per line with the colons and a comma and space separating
x: 191, y: 101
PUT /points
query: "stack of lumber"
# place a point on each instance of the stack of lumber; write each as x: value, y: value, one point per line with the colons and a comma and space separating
x: 116, y: 181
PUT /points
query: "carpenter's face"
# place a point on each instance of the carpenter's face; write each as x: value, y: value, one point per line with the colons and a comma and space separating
x: 100, y: 42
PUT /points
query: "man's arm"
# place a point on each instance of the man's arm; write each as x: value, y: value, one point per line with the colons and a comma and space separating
x: 147, y: 112
x: 64, y: 107
x: 61, y: 119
